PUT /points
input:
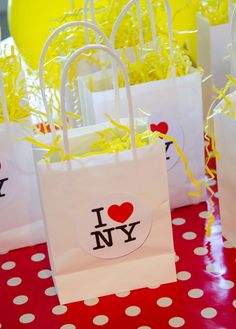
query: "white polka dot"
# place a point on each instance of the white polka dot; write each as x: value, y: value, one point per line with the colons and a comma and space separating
x: 91, y: 302
x: 51, y: 291
x: 178, y: 221
x: 205, y: 214
x: 123, y: 294
x: 234, y: 303
x: 68, y: 326
x: 37, y: 257
x: 228, y: 245
x: 208, y: 313
x: 214, y: 268
x: 27, y: 318
x: 8, y: 265
x: 132, y: 311
x: 164, y: 302
x: 211, y: 182
x: 176, y: 258
x: 155, y: 286
x: 189, y: 236
x: 176, y: 322
x: 3, y: 252
x: 100, y: 320
x: 144, y: 327
x: 20, y: 300
x: 44, y: 274
x: 59, y: 309
x: 14, y: 282
x: 195, y: 293
x: 201, y: 251
x: 183, y: 276
x: 226, y: 284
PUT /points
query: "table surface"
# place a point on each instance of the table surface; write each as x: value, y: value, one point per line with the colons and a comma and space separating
x: 203, y: 297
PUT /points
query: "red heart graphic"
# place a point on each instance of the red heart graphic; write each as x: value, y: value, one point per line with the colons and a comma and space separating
x: 161, y: 127
x: 121, y: 213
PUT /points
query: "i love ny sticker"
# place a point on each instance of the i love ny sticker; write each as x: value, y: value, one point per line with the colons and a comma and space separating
x: 8, y: 182
x: 114, y: 227
x: 168, y: 126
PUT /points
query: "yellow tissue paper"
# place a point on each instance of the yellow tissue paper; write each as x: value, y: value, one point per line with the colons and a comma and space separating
x: 14, y: 86
x: 217, y: 12
x: 31, y: 22
x: 150, y: 63
x: 115, y: 138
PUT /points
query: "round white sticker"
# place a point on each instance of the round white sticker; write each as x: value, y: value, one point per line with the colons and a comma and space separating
x: 114, y: 226
x: 168, y: 126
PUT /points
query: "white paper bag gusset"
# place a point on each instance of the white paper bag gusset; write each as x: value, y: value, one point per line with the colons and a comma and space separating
x: 213, y: 57
x: 21, y: 222
x: 107, y: 216
x: 175, y: 107
x: 225, y: 134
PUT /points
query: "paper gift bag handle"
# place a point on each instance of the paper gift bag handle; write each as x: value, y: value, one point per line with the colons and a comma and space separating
x: 43, y: 55
x: 4, y: 101
x: 3, y: 98
x: 233, y: 36
x: 92, y: 12
x: 231, y: 9
x: 65, y: 71
x: 153, y: 28
x: 3, y: 94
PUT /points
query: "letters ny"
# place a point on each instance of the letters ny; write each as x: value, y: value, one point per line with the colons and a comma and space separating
x: 2, y: 181
x: 104, y: 236
x: 168, y: 144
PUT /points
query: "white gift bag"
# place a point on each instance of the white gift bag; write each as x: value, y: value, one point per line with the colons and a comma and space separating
x: 21, y: 222
x: 213, y: 42
x: 175, y: 107
x: 107, y: 216
x: 225, y: 133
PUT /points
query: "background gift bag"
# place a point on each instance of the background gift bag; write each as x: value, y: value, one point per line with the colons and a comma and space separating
x: 175, y: 107
x: 21, y: 222
x: 107, y: 216
x: 225, y: 133
x: 213, y: 55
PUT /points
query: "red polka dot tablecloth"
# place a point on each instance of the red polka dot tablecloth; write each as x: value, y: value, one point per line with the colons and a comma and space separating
x: 203, y: 297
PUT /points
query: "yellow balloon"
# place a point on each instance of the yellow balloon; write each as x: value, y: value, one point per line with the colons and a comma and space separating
x: 184, y: 19
x: 30, y: 22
